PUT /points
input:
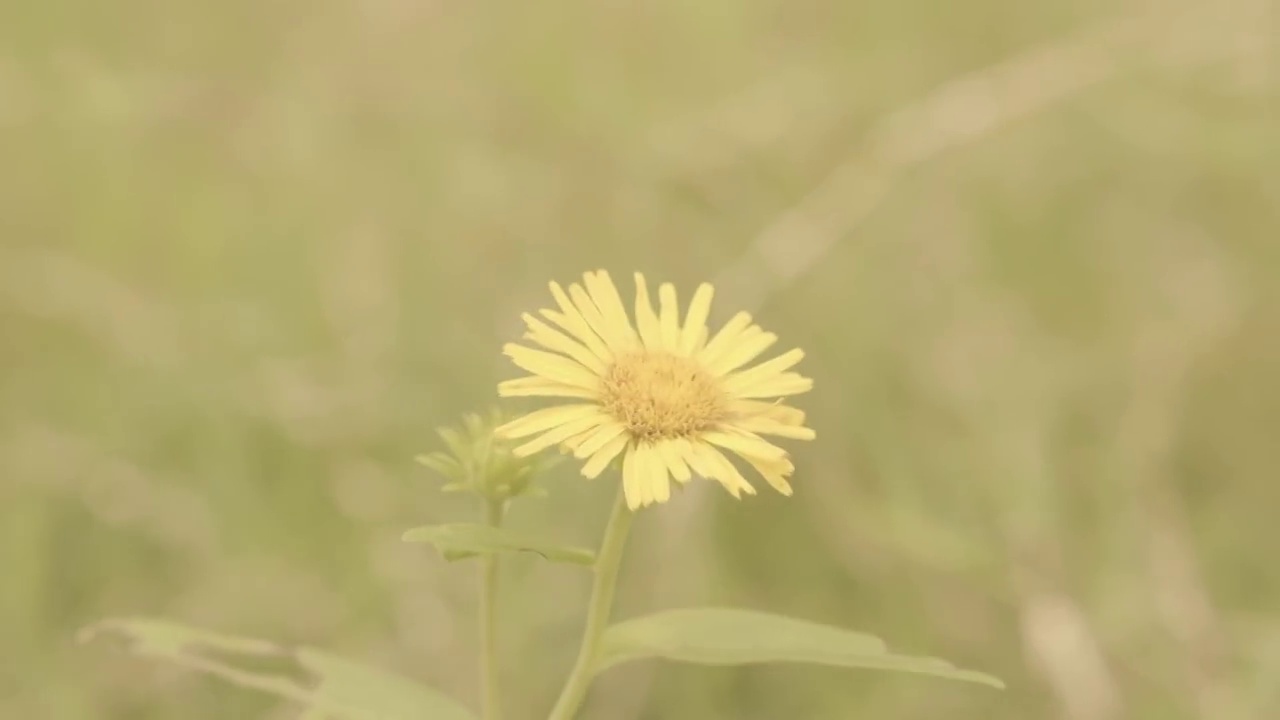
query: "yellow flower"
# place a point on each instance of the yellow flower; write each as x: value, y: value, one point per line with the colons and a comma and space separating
x: 660, y: 394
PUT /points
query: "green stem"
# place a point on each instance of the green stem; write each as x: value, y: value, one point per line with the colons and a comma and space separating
x: 491, y: 697
x: 602, y: 588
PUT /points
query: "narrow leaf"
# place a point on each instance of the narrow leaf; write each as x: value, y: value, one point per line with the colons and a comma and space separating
x: 461, y: 540
x: 723, y: 636
x: 326, y: 684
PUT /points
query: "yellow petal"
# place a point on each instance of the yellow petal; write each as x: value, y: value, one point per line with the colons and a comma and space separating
x: 746, y: 445
x: 669, y: 317
x: 747, y: 348
x: 775, y: 473
x: 697, y: 462
x: 777, y: 386
x: 536, y: 386
x: 765, y: 426
x: 605, y: 294
x: 598, y: 439
x: 551, y: 366
x: 726, y: 473
x: 605, y: 455
x: 695, y: 322
x: 706, y: 462
x: 673, y: 456
x: 727, y: 335
x: 545, y: 419
x: 553, y: 339
x: 646, y: 321
x: 763, y: 371
x: 774, y: 411
x: 657, y: 483
x: 571, y: 319
x: 559, y: 434
x: 632, y: 483
x: 701, y: 342
x: 602, y: 327
x: 642, y: 471
x: 781, y: 467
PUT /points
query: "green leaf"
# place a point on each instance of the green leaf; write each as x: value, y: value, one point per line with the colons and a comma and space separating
x: 462, y: 540
x: 326, y: 684
x: 723, y: 636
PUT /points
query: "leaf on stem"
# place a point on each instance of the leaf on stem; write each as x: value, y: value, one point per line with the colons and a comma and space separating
x: 724, y: 636
x: 458, y: 541
x: 326, y: 684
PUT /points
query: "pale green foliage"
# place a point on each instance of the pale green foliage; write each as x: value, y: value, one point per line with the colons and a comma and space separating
x: 458, y: 541
x: 708, y: 636
x: 725, y: 636
x: 324, y: 683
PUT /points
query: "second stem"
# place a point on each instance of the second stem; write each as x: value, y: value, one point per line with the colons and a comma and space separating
x: 491, y: 696
x: 605, y: 582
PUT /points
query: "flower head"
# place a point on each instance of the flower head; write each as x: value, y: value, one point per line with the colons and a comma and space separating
x: 660, y: 394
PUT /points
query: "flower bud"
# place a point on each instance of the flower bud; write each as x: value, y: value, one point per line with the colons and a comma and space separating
x: 476, y: 461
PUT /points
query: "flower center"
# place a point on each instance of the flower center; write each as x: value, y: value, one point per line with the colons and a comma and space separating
x: 660, y: 396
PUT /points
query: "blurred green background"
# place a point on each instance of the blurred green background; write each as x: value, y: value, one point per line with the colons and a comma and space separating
x: 251, y: 254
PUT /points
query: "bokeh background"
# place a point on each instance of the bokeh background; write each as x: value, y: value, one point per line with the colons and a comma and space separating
x: 251, y: 254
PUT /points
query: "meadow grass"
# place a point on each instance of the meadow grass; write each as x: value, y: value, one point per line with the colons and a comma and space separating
x: 252, y: 254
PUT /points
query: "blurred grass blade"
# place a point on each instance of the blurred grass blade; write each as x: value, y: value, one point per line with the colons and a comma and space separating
x: 462, y: 540
x: 326, y: 684
x: 723, y: 636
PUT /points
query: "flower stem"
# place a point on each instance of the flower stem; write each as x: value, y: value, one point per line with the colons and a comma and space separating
x: 491, y: 697
x: 602, y: 588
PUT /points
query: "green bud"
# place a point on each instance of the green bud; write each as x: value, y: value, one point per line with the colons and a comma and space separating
x: 476, y: 461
